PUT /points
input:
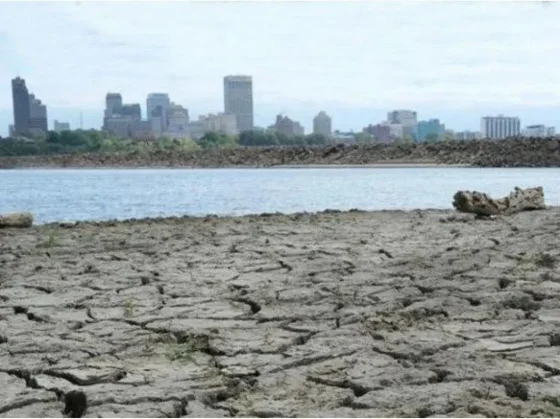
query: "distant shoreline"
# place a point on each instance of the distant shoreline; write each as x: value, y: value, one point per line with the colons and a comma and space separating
x: 520, y: 153
x: 388, y: 165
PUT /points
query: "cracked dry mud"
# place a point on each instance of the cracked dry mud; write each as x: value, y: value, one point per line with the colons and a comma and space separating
x: 425, y: 313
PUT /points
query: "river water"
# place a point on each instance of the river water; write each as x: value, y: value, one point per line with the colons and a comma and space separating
x: 103, y: 194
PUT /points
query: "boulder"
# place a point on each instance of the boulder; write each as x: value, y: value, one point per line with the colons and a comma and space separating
x: 481, y: 204
x: 18, y: 219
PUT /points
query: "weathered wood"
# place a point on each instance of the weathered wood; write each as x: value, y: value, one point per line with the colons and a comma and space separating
x: 16, y: 220
x: 481, y: 204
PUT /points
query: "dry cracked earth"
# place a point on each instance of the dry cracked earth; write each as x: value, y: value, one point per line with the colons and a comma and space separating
x: 426, y: 313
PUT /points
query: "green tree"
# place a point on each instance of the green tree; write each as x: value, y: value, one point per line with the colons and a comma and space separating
x: 364, y: 138
x: 432, y: 138
x: 212, y: 140
x: 316, y: 139
x: 448, y: 137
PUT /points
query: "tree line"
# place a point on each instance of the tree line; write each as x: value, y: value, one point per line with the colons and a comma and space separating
x: 95, y: 141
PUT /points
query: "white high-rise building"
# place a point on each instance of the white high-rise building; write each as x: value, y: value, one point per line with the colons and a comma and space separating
x: 238, y: 100
x: 322, y: 124
x: 500, y: 127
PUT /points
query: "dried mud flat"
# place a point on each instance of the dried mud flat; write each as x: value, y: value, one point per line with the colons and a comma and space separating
x: 426, y: 313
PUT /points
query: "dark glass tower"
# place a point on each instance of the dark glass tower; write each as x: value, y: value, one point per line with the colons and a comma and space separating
x: 21, y: 106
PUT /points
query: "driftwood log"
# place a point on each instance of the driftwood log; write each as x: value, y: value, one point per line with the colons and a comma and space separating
x: 16, y: 220
x: 481, y: 204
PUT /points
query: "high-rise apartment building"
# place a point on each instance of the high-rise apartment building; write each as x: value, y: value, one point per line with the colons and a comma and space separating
x: 20, y: 97
x: 322, y: 124
x: 238, y: 100
x: 158, y: 99
x: 500, y: 127
x: 406, y: 118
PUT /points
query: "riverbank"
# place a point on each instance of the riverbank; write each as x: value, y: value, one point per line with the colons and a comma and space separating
x: 365, y: 314
x: 532, y: 152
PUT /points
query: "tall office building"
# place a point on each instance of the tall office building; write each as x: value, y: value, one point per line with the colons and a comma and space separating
x: 20, y: 97
x: 500, y: 127
x: 113, y: 104
x: 158, y: 99
x: 37, y: 114
x: 322, y: 124
x: 238, y: 100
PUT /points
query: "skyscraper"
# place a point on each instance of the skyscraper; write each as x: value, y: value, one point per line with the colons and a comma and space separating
x: 20, y: 97
x: 322, y: 124
x: 37, y: 114
x: 238, y: 100
x: 158, y: 99
x: 113, y: 104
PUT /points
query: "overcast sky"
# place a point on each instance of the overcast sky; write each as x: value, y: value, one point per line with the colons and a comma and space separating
x: 356, y: 60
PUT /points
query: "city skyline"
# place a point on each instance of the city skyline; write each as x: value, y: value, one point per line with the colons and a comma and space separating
x: 314, y: 60
x: 165, y: 118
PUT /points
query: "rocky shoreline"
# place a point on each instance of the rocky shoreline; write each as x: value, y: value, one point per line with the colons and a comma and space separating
x: 532, y: 152
x: 352, y: 314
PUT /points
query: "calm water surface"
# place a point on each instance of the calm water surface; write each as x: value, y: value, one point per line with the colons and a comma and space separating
x: 103, y: 194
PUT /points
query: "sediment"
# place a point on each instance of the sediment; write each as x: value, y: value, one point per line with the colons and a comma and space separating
x: 391, y: 313
x: 532, y: 152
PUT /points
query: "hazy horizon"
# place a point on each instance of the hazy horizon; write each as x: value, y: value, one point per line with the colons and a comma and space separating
x: 455, y: 61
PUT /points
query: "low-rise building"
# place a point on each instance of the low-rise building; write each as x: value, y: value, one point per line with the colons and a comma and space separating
x: 467, y: 135
x: 141, y: 130
x: 381, y: 132
x: 287, y: 126
x: 432, y: 128
x: 222, y: 122
x: 344, y: 137
x: 197, y: 129
x: 119, y: 127
x: 61, y: 126
x: 177, y: 119
x: 540, y: 131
